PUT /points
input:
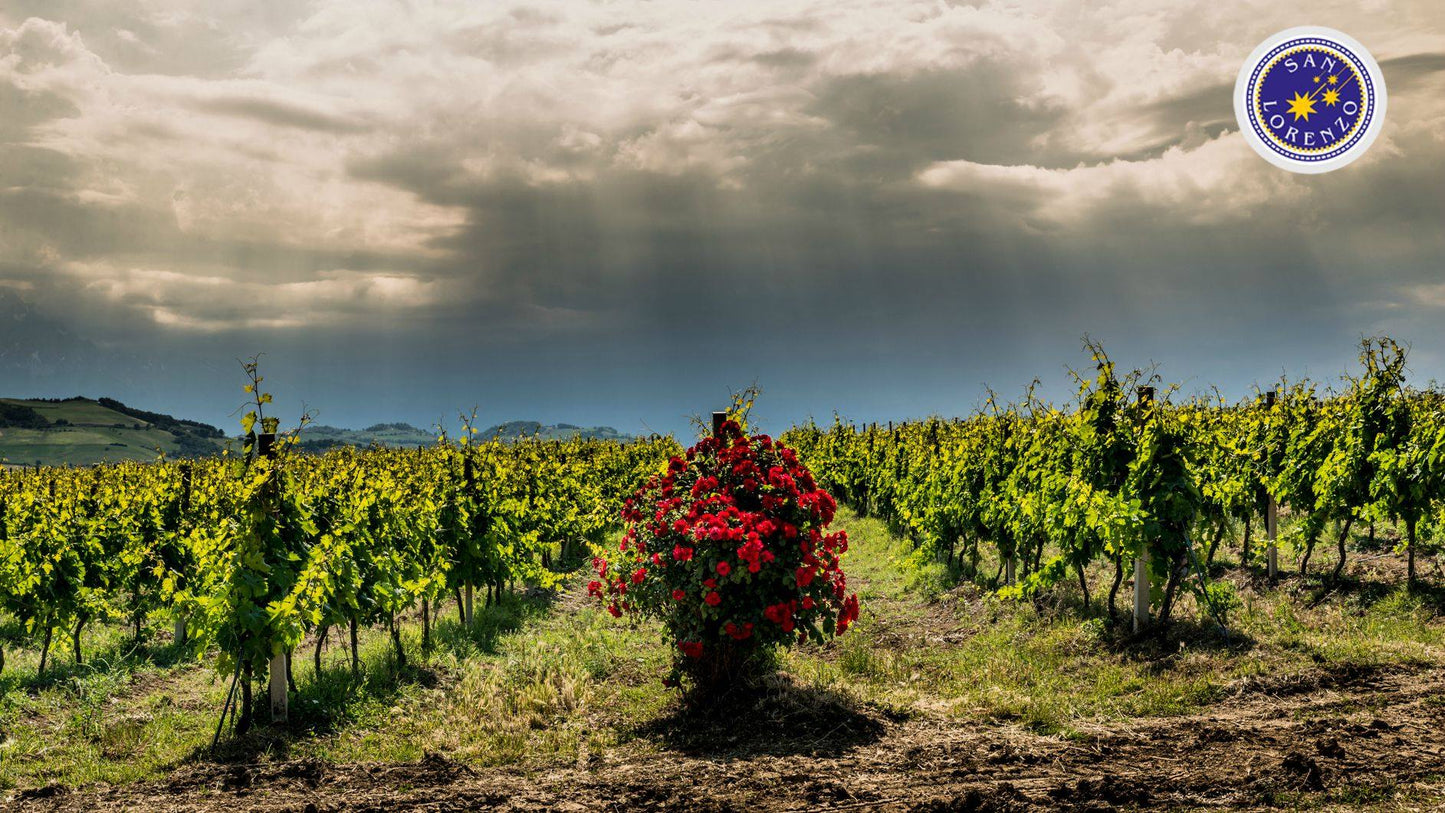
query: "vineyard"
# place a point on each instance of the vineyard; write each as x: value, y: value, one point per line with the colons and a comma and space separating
x: 248, y: 557
x: 447, y: 622
x: 1128, y: 480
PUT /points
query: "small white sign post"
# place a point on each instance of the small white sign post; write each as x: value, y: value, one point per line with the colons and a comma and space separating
x: 278, y: 688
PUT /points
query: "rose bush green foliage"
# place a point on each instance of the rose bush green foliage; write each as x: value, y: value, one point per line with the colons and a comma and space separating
x: 730, y: 549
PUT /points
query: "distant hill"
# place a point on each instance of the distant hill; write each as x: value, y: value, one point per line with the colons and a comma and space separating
x: 319, y: 438
x: 82, y: 431
x: 556, y: 431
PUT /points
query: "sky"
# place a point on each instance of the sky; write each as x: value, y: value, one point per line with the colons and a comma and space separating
x: 620, y: 212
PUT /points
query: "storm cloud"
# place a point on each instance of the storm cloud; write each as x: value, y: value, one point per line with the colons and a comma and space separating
x: 614, y: 212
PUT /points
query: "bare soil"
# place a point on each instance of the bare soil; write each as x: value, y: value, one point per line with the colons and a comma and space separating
x: 1338, y: 740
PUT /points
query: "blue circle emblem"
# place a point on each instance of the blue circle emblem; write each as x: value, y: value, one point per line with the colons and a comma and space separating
x: 1310, y: 100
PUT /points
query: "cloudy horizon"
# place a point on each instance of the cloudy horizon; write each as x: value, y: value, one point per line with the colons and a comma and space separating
x: 615, y: 213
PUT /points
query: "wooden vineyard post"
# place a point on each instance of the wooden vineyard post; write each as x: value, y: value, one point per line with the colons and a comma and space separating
x: 266, y: 448
x: 1271, y: 519
x: 718, y: 419
x: 865, y: 499
x: 1009, y: 567
x: 1271, y: 515
x: 266, y: 445
x: 1141, y: 562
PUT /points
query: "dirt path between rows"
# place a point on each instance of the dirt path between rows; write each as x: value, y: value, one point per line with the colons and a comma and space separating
x: 1338, y: 741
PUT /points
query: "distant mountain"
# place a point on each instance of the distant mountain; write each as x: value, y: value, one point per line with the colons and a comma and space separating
x: 319, y: 438
x: 512, y: 430
x: 81, y: 431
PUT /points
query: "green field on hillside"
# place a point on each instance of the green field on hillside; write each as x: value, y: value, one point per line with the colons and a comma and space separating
x: 83, y: 432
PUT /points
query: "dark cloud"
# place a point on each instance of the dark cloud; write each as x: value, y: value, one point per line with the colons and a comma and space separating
x: 282, y: 114
x: 975, y: 113
x: 35, y: 168
x: 790, y: 58
x: 1403, y: 72
x: 1186, y: 120
x: 22, y: 109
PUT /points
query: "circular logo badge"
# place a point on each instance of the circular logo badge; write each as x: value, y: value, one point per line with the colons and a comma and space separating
x: 1310, y: 99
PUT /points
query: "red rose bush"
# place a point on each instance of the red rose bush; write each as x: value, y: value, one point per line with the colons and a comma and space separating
x: 730, y: 549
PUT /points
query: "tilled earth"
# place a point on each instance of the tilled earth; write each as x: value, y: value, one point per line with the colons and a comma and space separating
x: 1341, y: 740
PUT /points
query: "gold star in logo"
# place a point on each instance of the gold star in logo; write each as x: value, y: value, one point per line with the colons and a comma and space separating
x: 1301, y: 106
x: 1332, y: 97
x: 1317, y: 80
x: 1334, y: 80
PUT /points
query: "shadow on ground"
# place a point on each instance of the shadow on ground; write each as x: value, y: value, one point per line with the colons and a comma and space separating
x: 776, y: 718
x: 329, y: 701
x: 123, y: 656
